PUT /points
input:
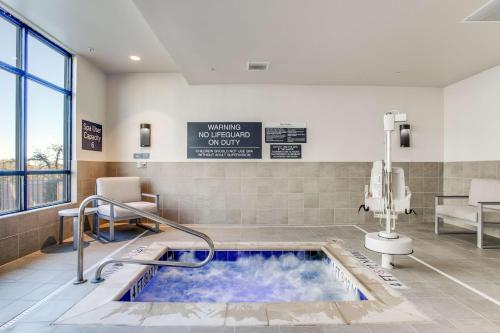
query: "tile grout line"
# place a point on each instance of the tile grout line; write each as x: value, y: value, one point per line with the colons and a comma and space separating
x: 44, y: 300
x: 448, y: 276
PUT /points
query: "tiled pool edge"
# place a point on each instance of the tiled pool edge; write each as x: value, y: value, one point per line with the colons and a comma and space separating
x: 384, y: 304
x: 133, y: 294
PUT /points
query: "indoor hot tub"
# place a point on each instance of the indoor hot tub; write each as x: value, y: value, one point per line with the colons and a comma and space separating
x: 235, y: 276
x: 246, y: 284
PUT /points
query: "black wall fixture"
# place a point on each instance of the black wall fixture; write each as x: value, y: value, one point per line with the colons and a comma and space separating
x: 404, y: 135
x: 145, y: 135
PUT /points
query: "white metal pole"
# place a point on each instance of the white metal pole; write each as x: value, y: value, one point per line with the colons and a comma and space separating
x: 388, y: 185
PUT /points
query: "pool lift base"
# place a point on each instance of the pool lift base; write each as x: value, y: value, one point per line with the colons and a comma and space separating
x: 388, y: 247
x: 387, y: 197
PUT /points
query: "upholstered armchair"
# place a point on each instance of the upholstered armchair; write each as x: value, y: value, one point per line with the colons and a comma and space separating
x: 128, y: 191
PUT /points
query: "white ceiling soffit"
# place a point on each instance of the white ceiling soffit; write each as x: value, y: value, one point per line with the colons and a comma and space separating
x: 490, y: 12
x: 114, y: 28
x: 355, y: 42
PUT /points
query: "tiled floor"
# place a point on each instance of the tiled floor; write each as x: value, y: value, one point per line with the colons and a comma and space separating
x: 452, y: 307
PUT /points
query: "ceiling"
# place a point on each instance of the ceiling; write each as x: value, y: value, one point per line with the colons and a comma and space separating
x: 355, y: 42
x: 115, y: 29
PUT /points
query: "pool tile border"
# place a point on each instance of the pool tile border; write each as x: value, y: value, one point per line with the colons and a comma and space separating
x: 384, y: 304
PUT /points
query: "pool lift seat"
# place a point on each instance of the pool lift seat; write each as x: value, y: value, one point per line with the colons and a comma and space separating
x: 374, y: 194
x: 386, y: 198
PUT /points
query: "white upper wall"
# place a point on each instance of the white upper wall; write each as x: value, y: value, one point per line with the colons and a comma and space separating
x: 344, y: 122
x: 89, y: 103
x: 472, y: 117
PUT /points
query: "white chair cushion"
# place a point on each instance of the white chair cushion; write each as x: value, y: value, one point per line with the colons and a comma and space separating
x: 121, y: 213
x: 484, y: 190
x: 468, y: 213
x: 122, y: 189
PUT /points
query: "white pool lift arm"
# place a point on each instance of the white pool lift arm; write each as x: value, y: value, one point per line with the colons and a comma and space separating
x: 387, y: 197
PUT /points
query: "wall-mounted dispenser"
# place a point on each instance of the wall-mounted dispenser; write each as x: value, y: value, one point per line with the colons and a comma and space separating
x: 145, y: 135
x: 404, y: 135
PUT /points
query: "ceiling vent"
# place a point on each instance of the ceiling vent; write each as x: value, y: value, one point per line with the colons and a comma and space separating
x: 490, y: 12
x: 257, y: 66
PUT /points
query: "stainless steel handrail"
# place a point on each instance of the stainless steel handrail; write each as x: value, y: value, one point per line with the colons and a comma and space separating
x: 156, y: 218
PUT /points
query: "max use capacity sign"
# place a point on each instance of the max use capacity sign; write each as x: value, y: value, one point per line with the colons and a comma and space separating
x: 224, y: 140
x: 91, y: 136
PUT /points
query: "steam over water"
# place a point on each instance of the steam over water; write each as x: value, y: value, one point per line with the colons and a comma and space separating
x: 248, y: 279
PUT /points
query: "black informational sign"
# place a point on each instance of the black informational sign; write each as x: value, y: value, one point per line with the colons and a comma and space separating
x: 224, y: 140
x: 286, y: 135
x: 91, y: 136
x: 286, y: 151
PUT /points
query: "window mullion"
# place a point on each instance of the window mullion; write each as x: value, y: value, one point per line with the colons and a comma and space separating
x: 24, y: 162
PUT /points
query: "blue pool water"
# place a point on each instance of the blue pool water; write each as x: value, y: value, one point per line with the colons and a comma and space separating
x: 245, y: 276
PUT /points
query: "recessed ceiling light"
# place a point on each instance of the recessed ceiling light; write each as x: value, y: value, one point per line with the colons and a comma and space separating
x: 135, y: 58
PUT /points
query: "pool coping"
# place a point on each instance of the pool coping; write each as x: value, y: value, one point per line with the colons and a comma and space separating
x: 384, y: 304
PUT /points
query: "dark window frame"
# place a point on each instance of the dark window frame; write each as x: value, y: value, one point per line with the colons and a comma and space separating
x: 23, y: 76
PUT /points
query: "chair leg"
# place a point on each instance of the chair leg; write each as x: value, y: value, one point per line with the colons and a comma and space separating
x: 94, y: 223
x: 98, y: 227
x: 61, y: 229
x: 75, y: 232
x: 157, y: 228
x: 480, y: 229
x: 111, y: 230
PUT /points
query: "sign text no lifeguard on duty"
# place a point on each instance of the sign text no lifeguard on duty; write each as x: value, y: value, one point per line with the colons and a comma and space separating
x: 224, y: 140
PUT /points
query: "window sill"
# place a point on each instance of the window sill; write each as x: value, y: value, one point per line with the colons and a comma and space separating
x: 37, y: 210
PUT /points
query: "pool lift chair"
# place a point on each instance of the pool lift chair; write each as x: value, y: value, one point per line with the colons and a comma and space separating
x: 387, y: 197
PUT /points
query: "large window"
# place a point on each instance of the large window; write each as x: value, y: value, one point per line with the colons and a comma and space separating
x: 35, y: 111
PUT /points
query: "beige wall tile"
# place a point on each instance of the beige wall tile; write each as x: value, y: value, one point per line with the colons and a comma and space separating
x: 233, y: 216
x: 311, y: 185
x: 296, y: 185
x: 296, y: 201
x: 9, y: 249
x: 453, y: 170
x: 47, y: 236
x: 326, y: 216
x: 416, y: 169
x: 264, y: 186
x: 431, y: 169
x: 28, y: 242
x: 326, y: 170
x: 326, y: 200
x: 327, y: 185
x: 311, y: 200
x: 470, y: 170
x: 341, y: 200
x: 295, y: 216
x: 431, y: 185
x: 9, y: 226
x: 311, y: 216
x: 488, y: 169
x: 311, y: 170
